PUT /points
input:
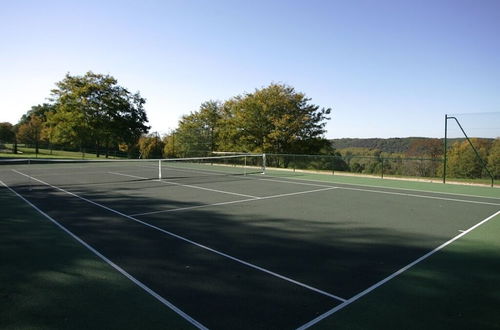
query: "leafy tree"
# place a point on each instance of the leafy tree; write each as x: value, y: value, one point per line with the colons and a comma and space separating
x: 463, y: 162
x: 7, y: 134
x: 424, y: 148
x: 94, y: 109
x: 198, y: 132
x: 494, y: 159
x: 40, y: 110
x: 275, y: 119
x: 432, y: 148
x: 171, y: 148
x: 151, y: 146
x: 31, y: 132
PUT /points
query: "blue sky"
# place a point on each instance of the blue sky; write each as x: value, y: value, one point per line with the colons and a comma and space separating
x: 386, y: 68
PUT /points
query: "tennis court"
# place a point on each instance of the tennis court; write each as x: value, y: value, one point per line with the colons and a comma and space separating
x: 226, y: 246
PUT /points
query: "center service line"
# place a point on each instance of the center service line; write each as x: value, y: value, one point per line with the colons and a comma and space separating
x: 191, y: 242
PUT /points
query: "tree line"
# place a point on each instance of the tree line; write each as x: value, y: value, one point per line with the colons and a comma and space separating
x: 273, y: 119
x: 423, y: 157
x: 93, y: 112
x: 85, y: 112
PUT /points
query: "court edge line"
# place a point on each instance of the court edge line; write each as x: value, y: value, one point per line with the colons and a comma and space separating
x: 191, y: 242
x: 186, y: 185
x: 392, y: 188
x: 420, y: 196
x: 393, y: 275
x: 112, y: 264
x: 397, y: 193
x: 233, y: 202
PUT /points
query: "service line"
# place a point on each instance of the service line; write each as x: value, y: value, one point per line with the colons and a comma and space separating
x: 234, y: 202
x: 187, y: 240
x: 109, y: 262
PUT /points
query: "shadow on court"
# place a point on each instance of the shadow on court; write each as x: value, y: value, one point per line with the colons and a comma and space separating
x: 340, y: 257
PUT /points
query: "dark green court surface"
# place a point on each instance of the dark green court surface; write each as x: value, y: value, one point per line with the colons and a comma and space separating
x: 243, y: 251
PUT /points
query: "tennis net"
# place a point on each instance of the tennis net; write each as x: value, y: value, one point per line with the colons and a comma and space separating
x: 85, y: 172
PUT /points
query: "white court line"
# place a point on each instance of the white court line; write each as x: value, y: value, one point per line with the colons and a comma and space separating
x: 420, y: 196
x: 233, y: 202
x: 112, y: 264
x: 299, y: 183
x: 390, y: 277
x: 190, y: 241
x: 188, y: 185
x: 396, y: 193
x: 391, y: 188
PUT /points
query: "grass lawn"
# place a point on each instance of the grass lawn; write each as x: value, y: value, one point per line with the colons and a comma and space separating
x: 25, y: 152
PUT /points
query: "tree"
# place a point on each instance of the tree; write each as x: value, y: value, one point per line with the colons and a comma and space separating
x: 198, y: 132
x: 494, y: 159
x: 94, y: 110
x: 7, y: 134
x: 31, y: 132
x: 431, y: 148
x: 275, y: 119
x: 151, y: 146
x: 462, y: 160
x: 40, y: 110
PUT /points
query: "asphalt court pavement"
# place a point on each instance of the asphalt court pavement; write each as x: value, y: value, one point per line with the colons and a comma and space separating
x: 339, y: 241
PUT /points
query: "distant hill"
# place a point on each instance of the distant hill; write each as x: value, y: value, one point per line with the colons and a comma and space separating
x: 392, y: 145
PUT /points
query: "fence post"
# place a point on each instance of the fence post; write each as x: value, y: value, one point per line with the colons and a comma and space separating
x: 445, y: 146
x: 382, y: 159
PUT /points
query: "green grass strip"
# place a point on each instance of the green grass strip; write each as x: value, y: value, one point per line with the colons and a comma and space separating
x: 49, y: 281
x: 473, y: 190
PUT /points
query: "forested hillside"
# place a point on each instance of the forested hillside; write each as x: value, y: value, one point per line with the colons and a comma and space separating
x: 390, y: 145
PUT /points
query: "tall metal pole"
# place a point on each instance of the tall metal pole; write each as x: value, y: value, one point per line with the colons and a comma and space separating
x: 445, y: 146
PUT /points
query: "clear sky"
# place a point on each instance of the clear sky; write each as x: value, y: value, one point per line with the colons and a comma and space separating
x: 386, y: 68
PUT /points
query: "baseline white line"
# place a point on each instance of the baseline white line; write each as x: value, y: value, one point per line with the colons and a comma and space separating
x: 390, y: 277
x: 232, y: 202
x: 187, y: 185
x: 398, y: 193
x: 190, y: 241
x: 112, y: 264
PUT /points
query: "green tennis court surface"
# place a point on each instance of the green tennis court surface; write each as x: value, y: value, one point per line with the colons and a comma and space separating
x: 219, y: 245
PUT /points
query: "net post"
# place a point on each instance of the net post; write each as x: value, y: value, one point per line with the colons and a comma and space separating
x: 245, y: 166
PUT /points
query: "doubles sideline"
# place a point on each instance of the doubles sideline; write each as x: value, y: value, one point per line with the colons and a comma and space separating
x: 112, y: 264
x: 393, y: 275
